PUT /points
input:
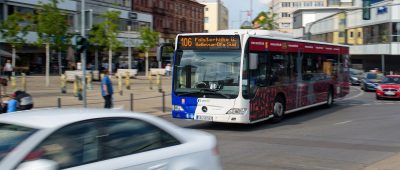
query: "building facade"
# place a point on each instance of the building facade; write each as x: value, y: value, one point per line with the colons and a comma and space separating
x: 285, y: 8
x: 216, y: 15
x: 33, y: 57
x: 171, y: 17
x: 374, y: 43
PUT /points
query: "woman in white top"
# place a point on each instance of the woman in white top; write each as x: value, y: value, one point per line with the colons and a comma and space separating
x: 8, y: 69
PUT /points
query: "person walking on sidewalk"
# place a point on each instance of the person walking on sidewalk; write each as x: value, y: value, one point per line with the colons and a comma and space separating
x: 8, y: 69
x: 107, y: 90
x: 168, y: 70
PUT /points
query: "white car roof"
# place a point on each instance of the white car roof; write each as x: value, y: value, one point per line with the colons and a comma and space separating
x: 54, y: 118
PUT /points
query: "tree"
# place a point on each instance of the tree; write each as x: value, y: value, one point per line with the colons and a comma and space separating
x: 150, y: 40
x: 265, y: 21
x: 13, y: 31
x: 105, y: 34
x: 52, y: 29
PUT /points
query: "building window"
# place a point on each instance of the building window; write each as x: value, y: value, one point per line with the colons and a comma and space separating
x: 285, y: 14
x: 205, y: 20
x: 318, y: 4
x: 351, y: 34
x: 296, y: 4
x: 285, y: 4
x: 285, y: 25
x: 308, y: 4
x: 205, y: 9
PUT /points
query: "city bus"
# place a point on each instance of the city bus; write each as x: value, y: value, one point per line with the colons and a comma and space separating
x: 248, y: 76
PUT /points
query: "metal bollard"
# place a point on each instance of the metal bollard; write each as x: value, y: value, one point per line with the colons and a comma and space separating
x: 76, y: 88
x: 80, y: 89
x: 163, y: 101
x: 23, y: 81
x: 63, y: 84
x: 59, y: 102
x: 127, y: 80
x: 13, y: 83
x: 150, y: 81
x: 159, y: 82
x: 89, y: 81
x: 132, y: 102
x: 120, y: 84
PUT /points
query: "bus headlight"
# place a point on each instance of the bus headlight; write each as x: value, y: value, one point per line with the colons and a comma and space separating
x: 177, y: 108
x: 237, y: 111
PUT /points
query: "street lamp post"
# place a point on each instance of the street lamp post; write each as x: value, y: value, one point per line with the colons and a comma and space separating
x: 129, y: 49
x: 83, y: 54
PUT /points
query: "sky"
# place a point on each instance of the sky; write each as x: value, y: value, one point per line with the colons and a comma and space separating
x: 236, y: 6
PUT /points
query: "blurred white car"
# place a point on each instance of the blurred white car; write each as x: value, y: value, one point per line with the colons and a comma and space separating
x: 89, y: 139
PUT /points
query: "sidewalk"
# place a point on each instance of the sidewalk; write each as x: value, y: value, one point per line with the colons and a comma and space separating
x: 145, y: 99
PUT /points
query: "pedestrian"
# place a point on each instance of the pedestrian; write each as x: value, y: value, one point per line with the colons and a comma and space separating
x: 168, y: 70
x: 8, y: 69
x: 107, y: 90
x: 11, y: 104
x: 24, y: 100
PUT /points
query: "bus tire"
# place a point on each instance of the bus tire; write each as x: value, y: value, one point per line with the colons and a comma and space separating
x: 279, y: 109
x: 329, y: 99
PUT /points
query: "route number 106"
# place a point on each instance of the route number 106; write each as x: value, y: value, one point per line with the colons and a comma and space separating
x: 186, y: 42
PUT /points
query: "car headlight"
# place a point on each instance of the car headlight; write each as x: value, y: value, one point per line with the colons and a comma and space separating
x: 379, y: 88
x: 354, y: 78
x: 237, y: 111
x: 177, y: 108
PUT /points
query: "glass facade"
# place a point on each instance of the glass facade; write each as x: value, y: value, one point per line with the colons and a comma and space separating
x: 373, y: 34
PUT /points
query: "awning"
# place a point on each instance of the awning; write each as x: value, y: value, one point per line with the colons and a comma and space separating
x: 6, y: 54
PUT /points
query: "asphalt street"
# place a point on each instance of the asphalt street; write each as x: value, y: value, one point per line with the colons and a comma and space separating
x: 358, y: 132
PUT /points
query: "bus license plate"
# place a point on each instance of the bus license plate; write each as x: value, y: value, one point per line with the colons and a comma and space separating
x: 202, y: 117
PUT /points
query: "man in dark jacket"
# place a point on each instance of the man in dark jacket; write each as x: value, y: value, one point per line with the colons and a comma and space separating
x: 24, y: 100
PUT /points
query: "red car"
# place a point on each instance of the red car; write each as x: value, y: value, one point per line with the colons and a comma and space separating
x: 389, y: 88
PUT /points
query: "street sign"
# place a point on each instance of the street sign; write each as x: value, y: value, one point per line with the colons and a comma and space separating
x: 366, y: 12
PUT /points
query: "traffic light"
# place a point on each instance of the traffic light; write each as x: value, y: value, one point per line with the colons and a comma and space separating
x: 81, y: 44
x: 366, y: 11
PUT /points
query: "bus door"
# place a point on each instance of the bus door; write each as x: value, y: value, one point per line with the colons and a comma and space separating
x: 300, y: 86
x: 308, y: 79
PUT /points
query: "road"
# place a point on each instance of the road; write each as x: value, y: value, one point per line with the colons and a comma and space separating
x: 356, y: 133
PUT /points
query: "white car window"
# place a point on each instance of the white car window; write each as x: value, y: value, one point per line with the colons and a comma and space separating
x: 73, y: 145
x: 129, y: 136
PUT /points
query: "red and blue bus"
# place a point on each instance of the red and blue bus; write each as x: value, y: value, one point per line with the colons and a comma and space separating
x: 247, y: 76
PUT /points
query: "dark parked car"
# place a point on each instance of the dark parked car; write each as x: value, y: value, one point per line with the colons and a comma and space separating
x: 355, y: 76
x: 371, y: 81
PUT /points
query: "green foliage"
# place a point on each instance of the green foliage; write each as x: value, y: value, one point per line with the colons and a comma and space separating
x: 149, y: 37
x: 52, y: 26
x: 266, y: 21
x: 13, y: 31
x: 246, y: 27
x: 105, y: 33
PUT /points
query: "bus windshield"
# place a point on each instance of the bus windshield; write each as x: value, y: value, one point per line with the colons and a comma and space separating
x: 213, y: 74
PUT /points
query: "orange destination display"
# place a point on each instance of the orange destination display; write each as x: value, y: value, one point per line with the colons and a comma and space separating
x: 208, y: 42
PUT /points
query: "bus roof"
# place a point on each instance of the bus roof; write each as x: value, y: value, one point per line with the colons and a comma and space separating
x: 276, y: 35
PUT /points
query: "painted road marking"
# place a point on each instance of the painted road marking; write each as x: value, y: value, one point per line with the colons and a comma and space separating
x: 358, y: 95
x: 342, y: 123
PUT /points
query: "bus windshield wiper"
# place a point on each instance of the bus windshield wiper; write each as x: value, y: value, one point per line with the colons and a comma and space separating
x: 204, y: 91
x: 215, y: 92
x: 189, y: 93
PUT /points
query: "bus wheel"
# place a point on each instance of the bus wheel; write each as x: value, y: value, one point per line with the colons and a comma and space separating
x: 279, y: 109
x: 329, y: 100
